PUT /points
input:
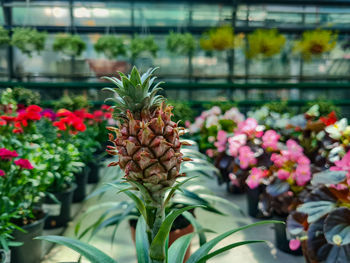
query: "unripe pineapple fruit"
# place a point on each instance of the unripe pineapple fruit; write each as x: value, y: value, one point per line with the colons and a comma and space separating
x: 146, y: 141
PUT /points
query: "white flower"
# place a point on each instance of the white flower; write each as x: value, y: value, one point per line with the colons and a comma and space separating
x: 336, y: 130
x: 234, y: 114
x: 212, y: 120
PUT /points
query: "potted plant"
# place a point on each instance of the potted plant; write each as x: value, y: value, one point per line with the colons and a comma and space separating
x: 321, y: 224
x: 182, y: 45
x: 264, y: 44
x: 222, y: 39
x: 112, y: 47
x: 28, y: 40
x: 154, y: 185
x: 71, y: 46
x: 142, y: 50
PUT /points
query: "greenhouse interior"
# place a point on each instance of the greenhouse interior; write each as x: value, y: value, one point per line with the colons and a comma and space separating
x: 169, y: 131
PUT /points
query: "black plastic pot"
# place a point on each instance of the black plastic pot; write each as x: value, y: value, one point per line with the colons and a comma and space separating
x: 59, y: 214
x: 81, y: 179
x: 5, y: 256
x: 31, y: 251
x: 282, y: 241
x: 93, y: 173
x: 253, y: 199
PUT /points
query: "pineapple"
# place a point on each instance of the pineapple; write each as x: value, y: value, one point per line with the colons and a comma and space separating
x: 147, y: 141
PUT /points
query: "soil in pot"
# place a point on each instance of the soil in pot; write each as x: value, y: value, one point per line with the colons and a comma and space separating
x: 31, y: 250
x: 282, y: 239
x: 59, y: 214
x: 180, y: 228
x: 81, y: 179
x: 93, y: 177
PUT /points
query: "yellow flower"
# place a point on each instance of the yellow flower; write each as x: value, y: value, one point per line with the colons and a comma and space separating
x: 221, y: 38
x: 315, y: 43
x: 265, y: 43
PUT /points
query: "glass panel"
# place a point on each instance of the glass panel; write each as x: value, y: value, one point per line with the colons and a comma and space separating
x: 102, y: 14
x: 211, y: 15
x: 40, y: 15
x: 156, y: 14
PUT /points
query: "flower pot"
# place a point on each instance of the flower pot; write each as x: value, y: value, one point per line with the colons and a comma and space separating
x: 93, y: 177
x: 31, y: 250
x: 253, y: 199
x: 5, y: 256
x: 103, y: 67
x: 81, y: 179
x: 59, y: 214
x: 306, y: 256
x: 282, y: 240
x: 174, y: 234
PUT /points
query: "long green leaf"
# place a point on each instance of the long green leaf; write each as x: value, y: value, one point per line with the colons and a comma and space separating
x: 198, y: 228
x: 157, y: 248
x: 91, y: 253
x: 176, y: 187
x: 204, y: 250
x: 177, y: 250
x: 141, y: 241
x: 139, y: 204
x: 228, y: 247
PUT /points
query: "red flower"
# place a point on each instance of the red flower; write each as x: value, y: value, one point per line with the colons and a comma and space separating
x: 2, y: 173
x: 63, y: 113
x: 24, y: 164
x: 34, y: 108
x: 330, y: 119
x: 3, y: 123
x: 6, y: 154
x: 60, y: 125
x: 17, y: 130
x: 8, y: 118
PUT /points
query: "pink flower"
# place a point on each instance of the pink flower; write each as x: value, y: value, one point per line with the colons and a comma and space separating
x: 234, y: 114
x: 210, y: 153
x: 278, y: 159
x: 253, y: 180
x: 248, y: 126
x: 270, y: 139
x: 6, y: 154
x: 343, y: 165
x: 294, y: 150
x: 235, y: 142
x: 303, y: 160
x: 294, y: 244
x: 220, y: 144
x: 2, y: 173
x: 246, y: 157
x: 283, y: 174
x: 187, y: 124
x: 24, y: 164
x: 302, y: 174
x: 233, y: 179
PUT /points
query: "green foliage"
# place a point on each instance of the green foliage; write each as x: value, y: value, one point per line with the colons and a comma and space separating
x: 70, y: 45
x: 181, y: 44
x: 182, y: 112
x: 110, y: 46
x: 28, y: 40
x: 278, y: 106
x: 72, y: 103
x: 26, y: 96
x: 139, y: 45
x: 4, y: 37
x: 325, y: 107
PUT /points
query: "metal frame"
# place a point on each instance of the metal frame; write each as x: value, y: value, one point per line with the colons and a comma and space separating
x: 132, y: 29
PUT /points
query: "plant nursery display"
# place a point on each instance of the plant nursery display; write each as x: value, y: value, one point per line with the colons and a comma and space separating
x: 142, y: 45
x: 28, y: 40
x: 69, y: 45
x: 111, y: 46
x: 4, y: 37
x: 181, y: 44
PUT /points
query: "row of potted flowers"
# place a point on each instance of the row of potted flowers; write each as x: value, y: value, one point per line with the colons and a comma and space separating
x: 46, y: 160
x: 296, y: 166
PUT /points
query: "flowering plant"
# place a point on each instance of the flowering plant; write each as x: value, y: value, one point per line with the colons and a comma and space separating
x: 322, y: 222
x: 221, y: 38
x: 315, y: 43
x: 210, y: 122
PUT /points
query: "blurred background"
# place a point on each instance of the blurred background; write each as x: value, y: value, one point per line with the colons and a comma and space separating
x: 250, y: 52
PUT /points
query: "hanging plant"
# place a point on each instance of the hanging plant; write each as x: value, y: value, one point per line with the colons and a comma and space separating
x: 139, y: 45
x: 315, y: 43
x: 180, y: 44
x: 70, y: 45
x: 4, y: 37
x: 28, y: 40
x: 110, y: 46
x: 265, y: 43
x: 220, y: 39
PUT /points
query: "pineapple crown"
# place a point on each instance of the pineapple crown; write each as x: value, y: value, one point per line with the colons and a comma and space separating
x: 134, y: 93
